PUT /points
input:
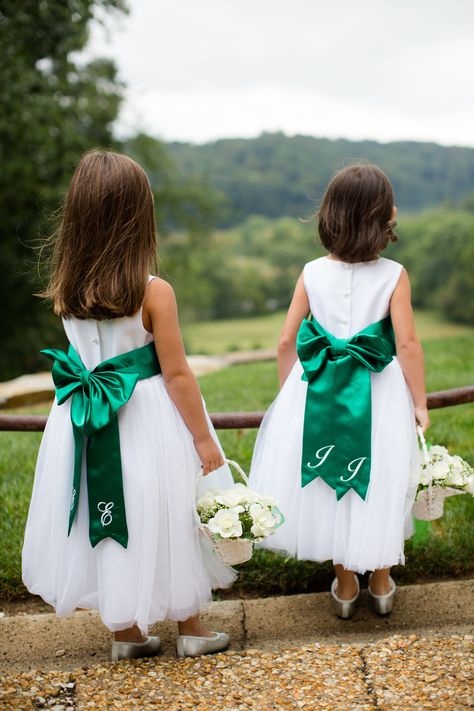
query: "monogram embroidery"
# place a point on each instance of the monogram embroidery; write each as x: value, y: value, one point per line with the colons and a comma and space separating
x: 327, y: 451
x: 105, y: 510
x: 355, y: 471
x: 323, y: 453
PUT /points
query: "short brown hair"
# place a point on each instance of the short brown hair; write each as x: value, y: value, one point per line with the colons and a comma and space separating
x: 354, y: 220
x: 106, y: 242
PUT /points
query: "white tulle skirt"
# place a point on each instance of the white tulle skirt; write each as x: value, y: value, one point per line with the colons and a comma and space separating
x: 165, y: 572
x: 360, y: 535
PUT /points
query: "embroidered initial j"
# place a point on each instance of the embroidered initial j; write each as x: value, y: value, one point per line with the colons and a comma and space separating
x: 322, y: 454
x: 353, y: 468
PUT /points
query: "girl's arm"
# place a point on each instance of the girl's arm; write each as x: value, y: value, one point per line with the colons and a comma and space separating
x: 299, y: 309
x: 160, y: 317
x: 409, y: 350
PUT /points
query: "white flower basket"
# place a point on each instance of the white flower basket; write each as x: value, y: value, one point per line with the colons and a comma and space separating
x: 429, y: 503
x: 236, y: 549
x: 230, y: 551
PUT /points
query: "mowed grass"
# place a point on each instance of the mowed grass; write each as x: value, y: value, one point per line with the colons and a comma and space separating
x: 215, y: 337
x: 446, y: 551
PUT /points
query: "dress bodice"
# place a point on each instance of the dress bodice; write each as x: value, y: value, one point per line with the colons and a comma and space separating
x: 96, y: 341
x: 345, y: 298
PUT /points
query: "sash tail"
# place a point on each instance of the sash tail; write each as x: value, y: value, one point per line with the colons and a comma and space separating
x: 338, y: 411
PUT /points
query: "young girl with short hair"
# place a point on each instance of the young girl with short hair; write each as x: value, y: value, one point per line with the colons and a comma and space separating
x: 112, y: 524
x: 338, y: 445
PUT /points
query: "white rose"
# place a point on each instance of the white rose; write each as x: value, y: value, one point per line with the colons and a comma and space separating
x: 440, y: 470
x: 264, y: 521
x: 226, y: 523
x: 232, y: 497
x: 266, y: 501
x: 457, y: 463
x: 424, y: 477
x: 455, y: 478
x: 251, y: 496
x: 206, y: 501
x: 438, y: 450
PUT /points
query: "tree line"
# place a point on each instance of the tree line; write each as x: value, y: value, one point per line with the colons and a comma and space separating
x: 277, y: 175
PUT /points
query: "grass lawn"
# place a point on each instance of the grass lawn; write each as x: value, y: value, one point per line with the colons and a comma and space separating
x: 448, y: 548
x: 209, y: 337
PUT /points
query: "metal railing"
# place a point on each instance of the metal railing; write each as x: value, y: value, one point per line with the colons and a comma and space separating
x: 238, y: 420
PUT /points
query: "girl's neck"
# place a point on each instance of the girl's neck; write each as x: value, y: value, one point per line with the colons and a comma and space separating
x: 335, y: 258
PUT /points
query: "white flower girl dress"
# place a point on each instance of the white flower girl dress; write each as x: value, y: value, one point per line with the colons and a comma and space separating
x: 165, y: 572
x: 359, y: 534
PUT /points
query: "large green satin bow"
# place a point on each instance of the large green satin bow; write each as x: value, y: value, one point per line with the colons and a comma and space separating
x: 338, y: 411
x: 97, y: 395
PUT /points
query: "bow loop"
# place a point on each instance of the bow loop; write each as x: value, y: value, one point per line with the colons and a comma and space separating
x: 108, y: 391
x: 372, y: 351
x: 313, y: 346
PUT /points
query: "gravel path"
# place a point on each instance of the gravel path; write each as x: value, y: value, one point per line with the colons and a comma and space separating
x: 400, y: 672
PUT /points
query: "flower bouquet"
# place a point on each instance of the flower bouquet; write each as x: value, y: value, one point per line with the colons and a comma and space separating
x: 441, y: 475
x: 233, y: 519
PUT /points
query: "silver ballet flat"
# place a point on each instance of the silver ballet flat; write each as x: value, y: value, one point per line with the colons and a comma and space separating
x: 135, y: 650
x: 189, y: 646
x: 344, y: 608
x: 383, y: 604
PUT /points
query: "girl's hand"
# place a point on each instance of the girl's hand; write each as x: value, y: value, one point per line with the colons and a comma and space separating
x: 209, y: 454
x: 422, y: 417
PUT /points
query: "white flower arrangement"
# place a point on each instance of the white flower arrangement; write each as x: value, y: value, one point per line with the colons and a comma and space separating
x: 442, y: 469
x: 440, y: 475
x: 238, y: 513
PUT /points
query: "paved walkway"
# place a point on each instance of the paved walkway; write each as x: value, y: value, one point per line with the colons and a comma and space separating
x: 287, y: 653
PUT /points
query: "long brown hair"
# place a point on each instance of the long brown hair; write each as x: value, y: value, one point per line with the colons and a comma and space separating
x: 354, y: 220
x: 106, y: 241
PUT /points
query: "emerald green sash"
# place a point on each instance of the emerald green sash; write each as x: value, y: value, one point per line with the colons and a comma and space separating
x: 97, y: 395
x: 338, y: 411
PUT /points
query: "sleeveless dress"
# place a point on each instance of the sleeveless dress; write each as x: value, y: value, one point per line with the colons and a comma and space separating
x: 361, y: 535
x: 166, y: 572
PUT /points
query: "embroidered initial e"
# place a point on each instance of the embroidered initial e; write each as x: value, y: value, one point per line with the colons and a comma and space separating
x: 105, y: 510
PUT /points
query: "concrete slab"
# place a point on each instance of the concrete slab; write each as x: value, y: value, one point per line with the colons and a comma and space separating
x: 446, y: 605
x: 43, y: 641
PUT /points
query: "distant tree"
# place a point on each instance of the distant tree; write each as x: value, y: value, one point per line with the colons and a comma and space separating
x: 52, y: 109
x: 186, y: 211
x: 437, y: 247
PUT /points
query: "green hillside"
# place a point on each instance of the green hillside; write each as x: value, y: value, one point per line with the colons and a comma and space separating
x: 276, y: 175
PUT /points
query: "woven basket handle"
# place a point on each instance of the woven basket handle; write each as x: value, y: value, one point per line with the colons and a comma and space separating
x: 426, y: 456
x: 236, y: 466
x: 424, y: 448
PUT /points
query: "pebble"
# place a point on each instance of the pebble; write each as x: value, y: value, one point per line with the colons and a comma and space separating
x: 394, y: 674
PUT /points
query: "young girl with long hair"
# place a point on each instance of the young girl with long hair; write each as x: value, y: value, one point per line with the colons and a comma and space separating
x: 111, y: 524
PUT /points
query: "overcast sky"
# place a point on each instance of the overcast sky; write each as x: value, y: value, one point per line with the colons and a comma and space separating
x: 197, y: 70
